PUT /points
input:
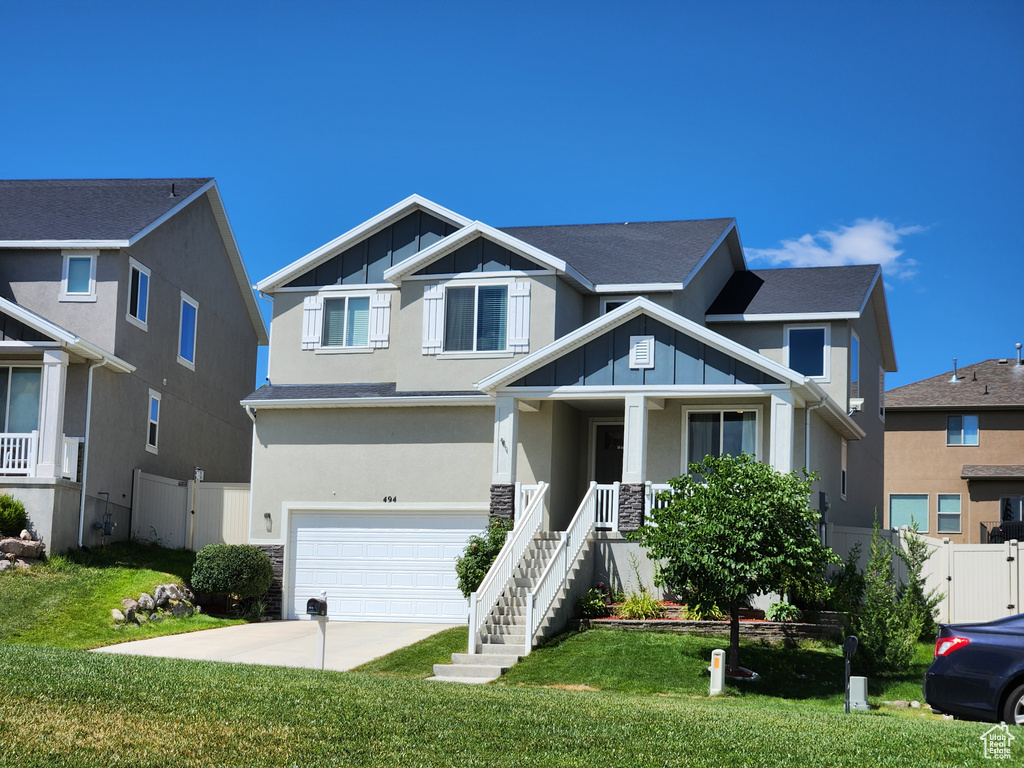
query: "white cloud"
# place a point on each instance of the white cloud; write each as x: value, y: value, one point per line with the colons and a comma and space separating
x: 867, y: 241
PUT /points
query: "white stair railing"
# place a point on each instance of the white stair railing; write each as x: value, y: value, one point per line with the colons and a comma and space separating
x: 543, y: 594
x: 69, y: 457
x: 607, y: 509
x: 524, y: 494
x: 18, y: 453
x: 487, y: 594
x: 651, y: 500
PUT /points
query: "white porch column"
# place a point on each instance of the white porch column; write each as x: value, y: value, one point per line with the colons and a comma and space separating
x: 51, y: 419
x: 634, y: 459
x: 506, y: 427
x: 781, y: 441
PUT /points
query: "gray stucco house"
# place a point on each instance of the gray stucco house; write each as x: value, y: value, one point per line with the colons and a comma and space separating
x: 428, y: 371
x: 128, y: 333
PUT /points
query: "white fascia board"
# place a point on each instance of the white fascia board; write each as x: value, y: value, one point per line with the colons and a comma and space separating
x: 73, y: 342
x: 227, y: 234
x: 638, y: 287
x: 367, y: 228
x: 882, y: 320
x: 832, y: 412
x: 710, y: 252
x: 69, y: 244
x: 471, y: 232
x: 627, y: 311
x: 369, y: 402
x: 783, y: 317
x: 179, y: 207
x: 584, y: 392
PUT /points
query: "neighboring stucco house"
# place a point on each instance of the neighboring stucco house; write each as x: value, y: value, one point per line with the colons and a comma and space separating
x: 428, y: 371
x: 954, y: 453
x: 128, y: 333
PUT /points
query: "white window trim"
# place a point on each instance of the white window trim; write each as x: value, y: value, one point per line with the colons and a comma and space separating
x: 5, y: 407
x: 844, y: 476
x: 186, y: 299
x: 962, y: 444
x: 938, y: 513
x: 927, y: 521
x: 605, y: 300
x: 826, y: 377
x: 325, y: 296
x: 91, y: 294
x: 730, y: 408
x: 134, y: 265
x: 153, y: 395
x: 467, y: 353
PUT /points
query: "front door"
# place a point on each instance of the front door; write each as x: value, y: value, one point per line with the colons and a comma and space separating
x: 609, y: 442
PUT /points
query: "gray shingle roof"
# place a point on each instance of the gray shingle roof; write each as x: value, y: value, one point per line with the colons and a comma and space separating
x: 993, y: 471
x: 988, y: 384
x: 795, y: 289
x: 86, y: 209
x: 633, y: 252
x: 270, y: 392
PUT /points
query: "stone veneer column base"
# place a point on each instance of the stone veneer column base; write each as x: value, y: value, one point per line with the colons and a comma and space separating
x: 503, y: 501
x: 631, y: 506
x: 275, y: 595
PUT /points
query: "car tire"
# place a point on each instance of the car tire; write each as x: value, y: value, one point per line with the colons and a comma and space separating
x: 1013, y: 710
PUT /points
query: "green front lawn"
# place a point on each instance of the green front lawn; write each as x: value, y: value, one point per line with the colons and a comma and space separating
x: 102, y: 710
x: 66, y: 602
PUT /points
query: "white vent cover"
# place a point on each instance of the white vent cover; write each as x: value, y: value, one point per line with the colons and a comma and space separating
x: 641, y: 351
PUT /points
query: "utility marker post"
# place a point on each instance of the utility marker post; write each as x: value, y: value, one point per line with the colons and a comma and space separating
x: 717, y: 671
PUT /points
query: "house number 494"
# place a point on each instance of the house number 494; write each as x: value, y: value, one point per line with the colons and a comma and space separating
x: 390, y: 499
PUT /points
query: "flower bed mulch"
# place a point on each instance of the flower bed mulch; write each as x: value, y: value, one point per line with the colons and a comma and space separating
x: 752, y: 629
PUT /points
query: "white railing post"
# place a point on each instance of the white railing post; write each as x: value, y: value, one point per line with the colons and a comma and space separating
x: 528, y: 642
x: 615, y: 506
x: 472, y: 623
x: 517, y: 504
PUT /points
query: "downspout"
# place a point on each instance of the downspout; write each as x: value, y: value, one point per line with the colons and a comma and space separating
x: 807, y: 430
x: 85, y: 449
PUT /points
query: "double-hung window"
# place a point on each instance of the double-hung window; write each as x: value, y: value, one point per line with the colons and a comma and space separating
x: 720, y: 433
x: 153, y: 424
x: 949, y: 513
x: 909, y: 509
x: 187, y: 331
x: 346, y: 322
x: 475, y: 318
x: 807, y: 350
x: 962, y: 429
x: 20, y: 394
x: 138, y: 294
x: 78, y: 276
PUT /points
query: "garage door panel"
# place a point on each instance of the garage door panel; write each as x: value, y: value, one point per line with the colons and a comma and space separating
x: 388, y: 568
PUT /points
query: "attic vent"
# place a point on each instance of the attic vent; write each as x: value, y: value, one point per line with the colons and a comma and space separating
x: 1003, y: 361
x: 641, y: 352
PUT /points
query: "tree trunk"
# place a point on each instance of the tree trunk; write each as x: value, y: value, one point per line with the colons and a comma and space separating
x: 734, y: 635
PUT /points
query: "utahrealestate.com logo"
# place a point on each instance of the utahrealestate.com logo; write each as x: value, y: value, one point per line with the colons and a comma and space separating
x: 997, y: 742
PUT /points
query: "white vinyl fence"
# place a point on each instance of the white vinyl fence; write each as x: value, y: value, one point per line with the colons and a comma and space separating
x: 979, y: 582
x: 161, y: 512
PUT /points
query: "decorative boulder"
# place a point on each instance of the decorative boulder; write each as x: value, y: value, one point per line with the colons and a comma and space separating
x: 129, y: 615
x: 130, y: 605
x: 5, y: 565
x: 116, y: 614
x: 25, y: 562
x: 25, y: 535
x: 180, y: 609
x: 160, y: 596
x: 146, y: 602
x: 172, y: 592
x: 21, y: 548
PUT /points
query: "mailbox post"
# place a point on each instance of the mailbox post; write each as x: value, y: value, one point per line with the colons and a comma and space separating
x: 317, y: 608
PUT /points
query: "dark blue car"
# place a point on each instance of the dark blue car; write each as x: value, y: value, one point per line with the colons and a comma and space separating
x: 978, y: 671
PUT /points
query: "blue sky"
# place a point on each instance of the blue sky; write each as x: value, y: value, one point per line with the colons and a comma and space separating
x: 833, y: 132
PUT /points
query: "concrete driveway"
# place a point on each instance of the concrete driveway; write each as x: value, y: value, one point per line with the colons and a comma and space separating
x: 285, y: 643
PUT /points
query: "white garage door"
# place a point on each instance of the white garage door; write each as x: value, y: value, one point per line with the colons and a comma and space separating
x: 380, y: 567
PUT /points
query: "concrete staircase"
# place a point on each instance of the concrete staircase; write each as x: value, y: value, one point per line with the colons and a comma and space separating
x: 503, y: 638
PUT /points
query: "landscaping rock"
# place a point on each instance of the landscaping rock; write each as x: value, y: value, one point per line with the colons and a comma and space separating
x: 6, y: 565
x: 146, y: 602
x: 25, y: 562
x: 180, y: 609
x: 116, y: 614
x: 129, y: 616
x: 25, y: 535
x: 186, y: 594
x: 129, y: 605
x: 172, y: 592
x: 161, y: 596
x: 21, y: 548
x: 141, y: 618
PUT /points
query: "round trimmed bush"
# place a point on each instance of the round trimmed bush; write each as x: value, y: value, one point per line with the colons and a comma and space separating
x: 13, y: 519
x: 241, y: 570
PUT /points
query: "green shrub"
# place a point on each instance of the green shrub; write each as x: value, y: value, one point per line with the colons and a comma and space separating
x: 13, y: 519
x: 641, y: 605
x: 920, y: 599
x: 241, y: 570
x: 846, y: 585
x: 706, y: 611
x: 591, y: 605
x: 783, y: 611
x: 479, y: 554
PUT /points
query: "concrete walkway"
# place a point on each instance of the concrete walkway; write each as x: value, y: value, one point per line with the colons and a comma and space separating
x: 285, y: 643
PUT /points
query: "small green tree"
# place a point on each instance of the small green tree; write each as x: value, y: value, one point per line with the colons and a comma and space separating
x: 734, y: 528
x: 888, y: 624
x: 919, y: 598
x: 479, y: 554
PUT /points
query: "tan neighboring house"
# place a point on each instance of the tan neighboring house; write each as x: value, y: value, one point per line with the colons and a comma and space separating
x: 429, y: 371
x: 954, y: 453
x: 128, y: 333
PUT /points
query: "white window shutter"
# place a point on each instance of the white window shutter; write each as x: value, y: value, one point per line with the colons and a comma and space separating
x: 380, y: 320
x: 519, y: 317
x: 312, y: 321
x: 433, y: 319
x: 641, y: 351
